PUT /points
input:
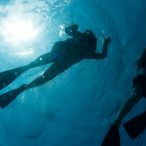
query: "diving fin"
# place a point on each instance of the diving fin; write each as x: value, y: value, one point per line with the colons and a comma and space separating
x: 9, y: 76
x: 8, y: 97
x: 113, y: 137
x: 136, y: 126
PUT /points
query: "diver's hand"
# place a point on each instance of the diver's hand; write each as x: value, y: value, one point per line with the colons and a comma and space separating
x: 107, y: 40
x: 72, y: 30
x: 73, y: 27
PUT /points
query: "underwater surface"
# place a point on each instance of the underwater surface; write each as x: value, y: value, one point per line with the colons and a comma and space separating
x: 78, y: 106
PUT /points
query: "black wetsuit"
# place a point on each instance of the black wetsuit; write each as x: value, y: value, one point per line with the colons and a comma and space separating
x: 81, y: 45
x: 74, y: 49
x: 140, y: 79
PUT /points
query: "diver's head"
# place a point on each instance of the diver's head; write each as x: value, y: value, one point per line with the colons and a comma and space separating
x: 90, y: 36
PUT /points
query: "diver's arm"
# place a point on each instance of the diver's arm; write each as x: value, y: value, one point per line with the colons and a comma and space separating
x: 101, y: 55
x: 95, y: 56
x: 72, y: 30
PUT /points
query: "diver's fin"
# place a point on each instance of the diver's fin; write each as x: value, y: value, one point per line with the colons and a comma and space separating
x: 112, y: 138
x: 9, y: 76
x: 8, y: 97
x: 136, y: 126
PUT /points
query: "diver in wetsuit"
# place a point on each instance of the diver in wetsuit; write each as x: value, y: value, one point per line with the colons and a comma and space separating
x: 139, y: 88
x: 66, y: 53
x: 138, y: 124
x: 81, y: 45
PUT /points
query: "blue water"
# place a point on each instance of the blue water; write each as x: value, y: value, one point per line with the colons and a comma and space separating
x: 77, y: 107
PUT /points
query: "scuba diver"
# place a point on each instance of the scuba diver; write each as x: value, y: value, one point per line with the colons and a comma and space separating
x: 137, y: 125
x: 80, y: 45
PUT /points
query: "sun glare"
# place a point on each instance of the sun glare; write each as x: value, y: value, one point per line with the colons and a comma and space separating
x: 18, y: 31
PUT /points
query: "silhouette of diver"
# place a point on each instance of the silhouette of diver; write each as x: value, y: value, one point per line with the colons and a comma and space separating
x: 81, y: 45
x: 137, y: 125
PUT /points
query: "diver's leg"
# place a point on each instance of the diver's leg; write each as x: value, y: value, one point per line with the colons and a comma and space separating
x: 113, y: 135
x: 48, y: 75
x: 135, y: 97
x: 41, y: 60
x: 139, y: 90
x: 141, y: 62
x: 9, y: 76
